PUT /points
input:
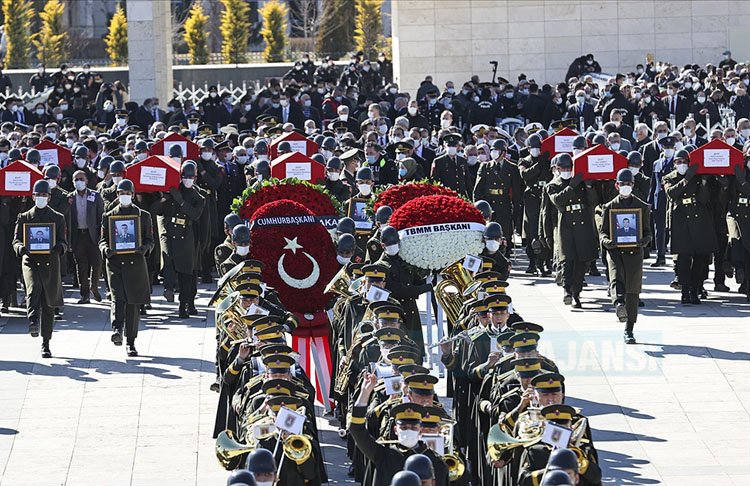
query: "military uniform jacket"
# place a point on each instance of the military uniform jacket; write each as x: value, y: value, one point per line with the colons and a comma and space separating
x: 404, y: 288
x: 41, y: 272
x: 691, y: 222
x: 500, y: 185
x: 738, y: 216
x: 628, y: 260
x: 575, y: 236
x: 536, y: 173
x: 176, y: 228
x: 451, y: 172
x: 127, y: 273
x: 222, y: 252
x: 641, y: 186
x: 338, y: 189
x: 210, y: 177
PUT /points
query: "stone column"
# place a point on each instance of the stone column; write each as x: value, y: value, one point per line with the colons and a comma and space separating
x: 150, y: 50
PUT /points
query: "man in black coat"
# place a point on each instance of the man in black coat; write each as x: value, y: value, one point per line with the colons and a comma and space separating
x: 581, y: 109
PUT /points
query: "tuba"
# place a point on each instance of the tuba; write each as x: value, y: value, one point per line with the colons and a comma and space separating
x: 227, y: 449
x: 226, y: 285
x: 229, y: 318
x: 449, y: 292
x: 498, y: 442
x: 339, y: 284
x: 456, y: 467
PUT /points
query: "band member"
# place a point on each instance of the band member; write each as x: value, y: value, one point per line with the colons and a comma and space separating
x: 41, y: 271
x: 127, y: 273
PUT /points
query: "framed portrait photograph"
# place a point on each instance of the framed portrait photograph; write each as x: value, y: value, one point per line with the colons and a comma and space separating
x: 625, y: 227
x: 357, y: 211
x: 124, y: 234
x: 39, y: 238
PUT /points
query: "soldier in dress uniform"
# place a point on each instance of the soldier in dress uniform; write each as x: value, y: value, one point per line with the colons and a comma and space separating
x: 127, y: 273
x: 576, y: 241
x: 210, y: 176
x: 338, y: 188
x: 225, y: 249
x: 738, y: 224
x: 450, y: 168
x: 58, y: 201
x: 625, y: 262
x: 41, y: 271
x: 494, y: 249
x: 691, y: 238
x: 240, y: 251
x: 641, y: 182
x: 499, y: 183
x: 179, y: 211
x: 374, y: 249
x: 402, y: 285
x: 536, y: 173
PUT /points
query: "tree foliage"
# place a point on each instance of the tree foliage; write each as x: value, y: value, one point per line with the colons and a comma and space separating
x: 275, y: 15
x: 335, y: 36
x: 117, y: 38
x: 368, y: 27
x: 196, y: 35
x: 18, y: 15
x: 51, y: 40
x: 235, y: 30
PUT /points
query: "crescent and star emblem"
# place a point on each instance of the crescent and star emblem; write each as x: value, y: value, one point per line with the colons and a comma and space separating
x: 298, y: 283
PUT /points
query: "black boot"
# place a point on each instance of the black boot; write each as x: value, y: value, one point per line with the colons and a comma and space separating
x: 685, y: 297
x: 116, y: 336
x: 184, y: 314
x: 628, y: 335
x: 34, y: 328
x: 593, y: 271
x: 567, y: 298
x: 46, y: 353
x: 191, y: 309
x: 577, y: 301
x: 130, y: 348
x: 694, y: 299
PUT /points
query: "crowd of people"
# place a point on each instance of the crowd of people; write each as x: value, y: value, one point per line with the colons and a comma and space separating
x: 371, y: 134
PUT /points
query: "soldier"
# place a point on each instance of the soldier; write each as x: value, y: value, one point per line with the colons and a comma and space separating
x: 179, y: 211
x: 450, y: 169
x: 575, y: 237
x: 338, y: 188
x: 41, y: 271
x: 225, y: 249
x: 127, y: 273
x: 374, y: 248
x: 402, y: 285
x: 738, y: 223
x: 641, y: 182
x: 691, y: 224
x: 536, y: 173
x: 107, y: 188
x: 494, y: 249
x: 241, y: 248
x: 58, y: 201
x: 262, y: 465
x: 209, y: 180
x: 625, y: 263
x: 499, y: 183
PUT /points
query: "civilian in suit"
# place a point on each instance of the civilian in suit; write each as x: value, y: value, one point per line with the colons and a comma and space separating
x: 309, y: 112
x: 689, y: 136
x: 581, y: 109
x: 86, y: 210
x: 703, y: 106
x: 143, y: 116
x: 657, y: 198
x: 283, y: 110
x: 15, y: 112
x: 221, y: 114
x: 741, y: 102
x: 618, y: 143
x: 652, y: 151
x: 677, y: 105
x: 649, y: 106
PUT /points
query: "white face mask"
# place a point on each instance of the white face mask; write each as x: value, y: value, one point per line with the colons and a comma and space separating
x: 344, y: 117
x: 207, y: 155
x: 701, y: 99
x: 52, y: 183
x: 188, y: 183
x: 471, y: 160
x: 80, y: 162
x: 452, y: 151
x: 41, y: 201
x: 242, y: 250
x: 495, y: 154
x: 492, y: 245
x: 192, y: 127
x: 408, y: 438
x: 116, y: 180
x: 615, y: 146
x: 566, y: 175
x: 121, y: 121
x: 626, y: 190
x: 80, y: 185
x: 634, y: 170
x: 343, y: 260
x: 242, y: 159
x: 264, y: 483
x: 745, y: 132
x: 729, y: 140
x: 391, y: 249
x: 3, y: 156
x: 412, y: 110
x: 125, y: 199
x: 535, y: 152
x: 334, y: 176
x: 669, y: 153
x: 688, y: 132
x: 100, y: 174
x: 682, y: 169
x: 364, y: 189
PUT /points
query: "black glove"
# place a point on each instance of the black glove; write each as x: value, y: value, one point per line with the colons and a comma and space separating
x: 723, y: 181
x: 58, y: 249
x: 645, y: 242
x: 141, y: 250
x: 576, y: 180
x: 176, y: 195
x: 691, y: 171
x: 608, y: 244
x: 109, y: 253
x: 23, y: 251
x: 425, y: 288
x: 738, y: 172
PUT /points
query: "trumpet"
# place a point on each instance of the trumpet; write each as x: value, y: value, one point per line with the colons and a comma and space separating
x: 456, y: 467
x: 298, y: 448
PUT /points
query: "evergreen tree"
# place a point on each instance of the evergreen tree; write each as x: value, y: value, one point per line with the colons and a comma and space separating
x: 275, y: 16
x: 51, y: 40
x: 117, y: 38
x: 336, y: 36
x: 196, y: 35
x: 18, y: 15
x: 235, y: 30
x: 368, y: 30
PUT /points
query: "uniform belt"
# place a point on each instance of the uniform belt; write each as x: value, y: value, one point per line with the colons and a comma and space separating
x: 208, y: 191
x: 496, y: 192
x: 743, y: 200
x: 541, y: 183
x: 180, y: 221
x: 688, y: 200
x: 574, y: 207
x: 83, y: 230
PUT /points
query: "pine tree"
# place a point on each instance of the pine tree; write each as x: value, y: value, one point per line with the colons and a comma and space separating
x: 335, y: 36
x: 275, y: 16
x: 235, y: 29
x: 368, y: 27
x: 196, y: 35
x: 51, y: 40
x: 18, y: 15
x: 117, y: 38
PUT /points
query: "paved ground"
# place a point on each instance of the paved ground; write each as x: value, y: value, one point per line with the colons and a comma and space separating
x: 673, y: 411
